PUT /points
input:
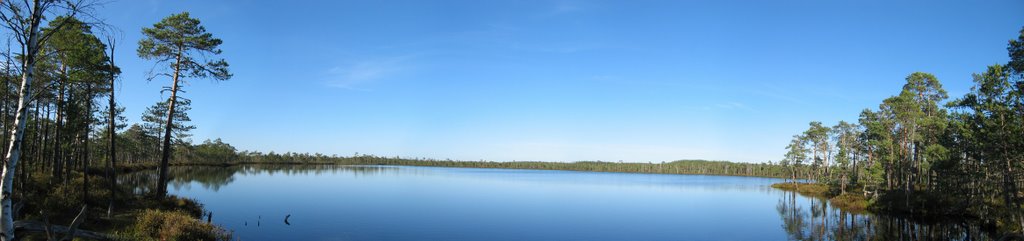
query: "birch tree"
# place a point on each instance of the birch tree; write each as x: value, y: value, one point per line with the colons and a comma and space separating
x: 182, y: 44
x: 23, y: 19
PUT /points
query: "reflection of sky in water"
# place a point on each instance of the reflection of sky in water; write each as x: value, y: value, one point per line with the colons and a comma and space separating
x: 430, y: 203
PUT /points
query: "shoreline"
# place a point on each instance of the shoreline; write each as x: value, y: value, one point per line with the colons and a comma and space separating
x: 564, y: 166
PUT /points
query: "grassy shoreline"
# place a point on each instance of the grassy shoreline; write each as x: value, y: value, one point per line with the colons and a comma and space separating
x: 124, y: 216
x: 849, y: 202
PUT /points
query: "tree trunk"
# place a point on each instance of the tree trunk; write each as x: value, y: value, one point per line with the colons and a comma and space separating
x: 69, y: 154
x: 4, y: 105
x: 825, y: 152
x: 814, y: 156
x: 18, y: 134
x: 793, y: 175
x: 842, y: 185
x: 165, y: 157
x: 853, y: 177
x: 85, y: 144
x: 112, y: 128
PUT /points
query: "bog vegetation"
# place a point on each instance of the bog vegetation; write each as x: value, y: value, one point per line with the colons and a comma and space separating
x: 921, y: 153
x: 61, y: 141
x: 65, y: 139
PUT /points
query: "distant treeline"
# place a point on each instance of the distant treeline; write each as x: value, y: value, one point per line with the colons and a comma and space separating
x: 217, y: 152
x: 139, y: 147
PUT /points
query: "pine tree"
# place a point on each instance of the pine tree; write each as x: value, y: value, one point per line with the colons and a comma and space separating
x: 182, y: 43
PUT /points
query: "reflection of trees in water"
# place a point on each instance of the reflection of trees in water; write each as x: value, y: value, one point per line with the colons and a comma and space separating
x: 209, y: 177
x: 140, y: 182
x: 315, y: 169
x: 807, y: 218
x: 215, y: 177
x: 792, y: 217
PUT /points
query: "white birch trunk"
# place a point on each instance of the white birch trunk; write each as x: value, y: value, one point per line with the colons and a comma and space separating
x: 13, y: 155
x: 18, y: 133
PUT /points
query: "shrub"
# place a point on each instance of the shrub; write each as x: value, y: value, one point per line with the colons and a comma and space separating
x: 806, y: 189
x: 851, y: 202
x: 186, y: 205
x: 173, y: 225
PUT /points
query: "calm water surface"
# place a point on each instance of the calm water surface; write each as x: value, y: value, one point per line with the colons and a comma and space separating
x: 431, y: 203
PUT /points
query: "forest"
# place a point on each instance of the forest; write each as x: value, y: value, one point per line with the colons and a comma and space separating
x: 923, y: 154
x: 919, y: 153
x: 61, y: 121
x: 69, y: 140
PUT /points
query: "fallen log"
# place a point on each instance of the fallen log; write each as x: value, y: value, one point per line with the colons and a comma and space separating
x: 21, y: 227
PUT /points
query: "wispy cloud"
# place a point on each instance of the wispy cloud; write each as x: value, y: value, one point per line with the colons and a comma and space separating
x: 562, y: 7
x: 732, y: 106
x: 568, y: 48
x: 352, y: 76
x: 775, y: 93
x: 565, y: 7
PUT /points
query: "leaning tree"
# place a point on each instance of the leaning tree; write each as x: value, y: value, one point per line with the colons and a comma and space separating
x: 182, y: 45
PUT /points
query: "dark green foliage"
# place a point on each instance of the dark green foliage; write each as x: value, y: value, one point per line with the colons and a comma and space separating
x: 214, y: 151
x: 65, y: 161
x: 155, y: 117
x: 795, y: 156
x: 177, y: 40
x: 850, y: 202
x: 987, y: 144
x: 137, y: 145
x: 1016, y: 52
x: 915, y: 157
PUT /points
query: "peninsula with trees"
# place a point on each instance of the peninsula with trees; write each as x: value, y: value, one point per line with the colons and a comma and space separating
x: 920, y: 153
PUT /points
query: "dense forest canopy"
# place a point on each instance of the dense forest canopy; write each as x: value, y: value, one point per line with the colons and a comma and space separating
x: 932, y: 155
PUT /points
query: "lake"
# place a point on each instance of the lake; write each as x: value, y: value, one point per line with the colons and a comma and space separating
x: 433, y: 203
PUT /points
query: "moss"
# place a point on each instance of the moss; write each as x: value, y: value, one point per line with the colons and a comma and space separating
x: 186, y: 205
x: 59, y: 201
x: 851, y: 202
x: 172, y: 225
x: 806, y: 189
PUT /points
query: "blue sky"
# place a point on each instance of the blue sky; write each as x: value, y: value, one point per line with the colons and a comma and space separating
x: 558, y: 80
